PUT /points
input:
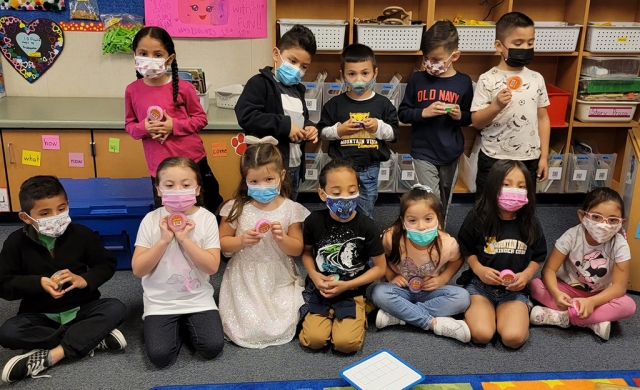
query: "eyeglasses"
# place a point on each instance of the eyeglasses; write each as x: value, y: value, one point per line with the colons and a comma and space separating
x: 599, y: 218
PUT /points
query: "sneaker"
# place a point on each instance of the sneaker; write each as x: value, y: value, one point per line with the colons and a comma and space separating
x: 114, y: 340
x: 456, y: 329
x: 383, y: 319
x: 602, y: 329
x: 541, y: 315
x: 30, y: 364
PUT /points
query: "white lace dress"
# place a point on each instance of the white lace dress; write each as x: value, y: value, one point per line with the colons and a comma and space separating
x: 261, y: 289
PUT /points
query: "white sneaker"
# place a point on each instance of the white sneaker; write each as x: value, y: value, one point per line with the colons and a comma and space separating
x: 541, y: 315
x: 456, y: 329
x: 602, y: 329
x: 383, y: 319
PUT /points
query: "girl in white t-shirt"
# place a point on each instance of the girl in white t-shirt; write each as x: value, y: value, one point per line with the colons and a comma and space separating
x: 177, y: 249
x: 585, y: 278
x: 422, y: 259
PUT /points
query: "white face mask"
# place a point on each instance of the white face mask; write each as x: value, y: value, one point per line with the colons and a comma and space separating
x: 151, y: 68
x: 53, y: 226
x: 601, y: 232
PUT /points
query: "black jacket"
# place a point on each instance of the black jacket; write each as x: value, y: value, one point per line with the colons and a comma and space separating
x: 259, y: 111
x: 24, y: 260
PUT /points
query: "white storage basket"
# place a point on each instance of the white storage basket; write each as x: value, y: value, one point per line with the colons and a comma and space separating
x: 227, y: 97
x: 620, y: 37
x: 474, y: 38
x: 559, y: 37
x: 329, y: 33
x: 383, y: 37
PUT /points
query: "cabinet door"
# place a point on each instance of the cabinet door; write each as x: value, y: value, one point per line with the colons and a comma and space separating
x: 631, y: 197
x: 26, y: 146
x: 225, y: 168
x: 129, y: 162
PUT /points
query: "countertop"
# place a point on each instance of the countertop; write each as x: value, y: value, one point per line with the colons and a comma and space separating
x: 85, y: 113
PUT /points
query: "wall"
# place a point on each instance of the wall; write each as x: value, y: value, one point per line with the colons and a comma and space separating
x: 82, y: 71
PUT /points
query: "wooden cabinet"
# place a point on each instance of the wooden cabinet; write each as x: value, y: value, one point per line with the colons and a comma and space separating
x: 128, y: 163
x: 225, y: 168
x: 630, y: 190
x: 52, y: 162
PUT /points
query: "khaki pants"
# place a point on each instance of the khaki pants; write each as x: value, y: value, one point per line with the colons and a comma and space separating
x: 346, y: 335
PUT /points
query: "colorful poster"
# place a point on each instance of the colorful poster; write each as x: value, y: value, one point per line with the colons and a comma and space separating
x: 208, y: 18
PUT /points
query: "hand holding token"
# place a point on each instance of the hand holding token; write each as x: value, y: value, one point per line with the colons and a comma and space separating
x: 371, y: 125
x: 155, y: 113
x: 250, y: 237
x: 415, y: 284
x: 162, y: 129
x: 263, y: 226
x: 52, y: 287
x: 433, y: 283
x: 177, y: 221
x: 503, y: 98
x: 435, y: 109
x: 507, y: 276
x: 454, y: 111
x: 183, y: 233
x: 277, y: 231
x: 400, y: 281
x: 514, y: 83
x: 564, y: 302
x: 166, y: 234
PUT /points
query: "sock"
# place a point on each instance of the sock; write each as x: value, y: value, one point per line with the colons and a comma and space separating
x: 49, y: 361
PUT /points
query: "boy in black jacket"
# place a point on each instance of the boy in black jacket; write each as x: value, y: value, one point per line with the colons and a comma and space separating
x: 272, y: 102
x: 61, y: 315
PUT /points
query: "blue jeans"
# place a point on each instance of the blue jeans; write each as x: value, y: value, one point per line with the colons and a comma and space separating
x: 497, y: 295
x: 419, y: 309
x: 368, y: 188
x: 294, y: 175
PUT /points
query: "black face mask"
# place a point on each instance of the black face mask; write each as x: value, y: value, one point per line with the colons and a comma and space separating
x: 519, y: 57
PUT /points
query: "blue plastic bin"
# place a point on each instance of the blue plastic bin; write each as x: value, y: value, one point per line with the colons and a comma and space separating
x: 113, y: 208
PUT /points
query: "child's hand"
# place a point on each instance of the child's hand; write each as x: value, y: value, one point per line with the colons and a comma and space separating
x: 182, y: 235
x: 503, y: 98
x: 65, y: 276
x: 277, y: 231
x: 320, y: 280
x: 166, y: 234
x: 585, y: 307
x: 162, y: 129
x: 150, y: 129
x: 433, y: 283
x: 348, y: 127
x: 371, y: 125
x: 543, y: 169
x: 489, y: 276
x: 312, y: 133
x: 455, y: 113
x: 297, y: 134
x: 562, y: 300
x: 521, y: 282
x: 400, y: 281
x: 435, y: 109
x: 334, y: 288
x: 250, y: 237
x: 51, y: 288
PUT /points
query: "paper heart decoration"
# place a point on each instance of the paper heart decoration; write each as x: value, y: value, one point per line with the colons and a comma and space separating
x: 30, y: 47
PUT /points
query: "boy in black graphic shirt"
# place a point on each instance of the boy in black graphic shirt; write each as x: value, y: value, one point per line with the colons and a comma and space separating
x: 437, y: 103
x: 359, y: 122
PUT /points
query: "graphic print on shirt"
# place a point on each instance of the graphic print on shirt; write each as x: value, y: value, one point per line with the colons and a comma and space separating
x: 343, y: 258
x: 509, y: 246
x: 184, y: 282
x: 410, y: 269
x: 592, y: 267
x: 362, y: 139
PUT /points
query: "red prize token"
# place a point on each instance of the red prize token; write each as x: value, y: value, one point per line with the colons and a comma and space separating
x: 415, y: 284
x: 507, y: 277
x: 514, y: 83
x: 263, y: 226
x: 177, y: 221
x: 155, y: 113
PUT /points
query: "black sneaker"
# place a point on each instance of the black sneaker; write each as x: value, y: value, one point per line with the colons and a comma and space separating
x: 29, y: 364
x: 114, y: 340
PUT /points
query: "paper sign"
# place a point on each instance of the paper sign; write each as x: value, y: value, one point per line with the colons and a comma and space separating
x: 408, y: 175
x: 638, y: 231
x: 384, y: 174
x: 50, y: 142
x: 114, y: 145
x: 312, y: 104
x: 76, y: 160
x: 4, y: 200
x: 219, y: 149
x: 29, y: 157
x: 602, y: 174
x: 555, y: 173
x: 580, y: 175
x: 311, y: 174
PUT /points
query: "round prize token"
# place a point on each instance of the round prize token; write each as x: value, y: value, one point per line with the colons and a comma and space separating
x: 263, y: 226
x: 55, y: 278
x: 415, y: 284
x: 514, y: 83
x: 155, y: 113
x: 177, y: 221
x: 507, y: 277
x: 335, y: 277
x: 359, y: 123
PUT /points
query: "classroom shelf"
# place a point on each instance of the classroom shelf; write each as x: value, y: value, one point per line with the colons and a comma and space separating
x: 538, y: 54
x: 399, y: 53
x: 629, y: 125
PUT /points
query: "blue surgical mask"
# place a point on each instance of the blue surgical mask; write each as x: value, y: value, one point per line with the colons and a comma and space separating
x: 342, y: 207
x: 360, y: 87
x: 288, y: 74
x: 422, y: 237
x: 263, y: 194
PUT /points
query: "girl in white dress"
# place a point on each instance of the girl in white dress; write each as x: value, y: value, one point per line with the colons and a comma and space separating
x: 261, y: 289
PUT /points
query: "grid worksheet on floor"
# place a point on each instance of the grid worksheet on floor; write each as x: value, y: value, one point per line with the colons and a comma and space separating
x: 381, y: 371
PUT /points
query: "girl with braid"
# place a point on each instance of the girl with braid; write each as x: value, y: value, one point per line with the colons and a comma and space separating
x: 165, y: 112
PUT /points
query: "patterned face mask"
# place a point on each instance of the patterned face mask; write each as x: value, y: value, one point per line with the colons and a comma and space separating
x: 436, y: 68
x: 343, y: 207
x: 151, y: 68
x: 53, y: 226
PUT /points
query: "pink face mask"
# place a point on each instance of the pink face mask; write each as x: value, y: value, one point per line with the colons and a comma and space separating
x: 512, y: 199
x: 178, y: 200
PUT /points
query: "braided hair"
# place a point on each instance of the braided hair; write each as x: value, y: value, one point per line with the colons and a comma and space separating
x: 163, y: 36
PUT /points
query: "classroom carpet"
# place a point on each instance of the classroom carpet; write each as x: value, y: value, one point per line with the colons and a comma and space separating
x: 531, y: 381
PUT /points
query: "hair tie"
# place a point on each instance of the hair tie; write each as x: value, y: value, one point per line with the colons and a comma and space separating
x: 251, y: 140
x: 421, y: 187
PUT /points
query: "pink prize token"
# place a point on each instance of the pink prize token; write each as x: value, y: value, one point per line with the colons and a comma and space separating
x: 415, y: 284
x: 263, y: 226
x: 177, y: 221
x: 155, y: 113
x: 574, y: 308
x: 507, y: 277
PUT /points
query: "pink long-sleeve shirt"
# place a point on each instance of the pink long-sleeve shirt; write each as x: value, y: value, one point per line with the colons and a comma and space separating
x: 188, y: 120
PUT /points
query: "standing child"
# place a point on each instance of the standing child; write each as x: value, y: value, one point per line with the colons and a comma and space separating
x: 437, y: 103
x: 55, y: 267
x: 585, y: 278
x: 182, y: 117
x: 272, y: 102
x: 510, y: 104
x: 421, y: 260
x: 175, y: 264
x: 261, y: 289
x: 502, y: 233
x: 338, y: 243
x: 359, y: 122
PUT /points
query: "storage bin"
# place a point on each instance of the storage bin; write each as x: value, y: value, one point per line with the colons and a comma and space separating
x: 580, y: 173
x: 392, y: 91
x: 559, y: 37
x: 476, y: 38
x: 619, y: 37
x: 204, y: 100
x: 604, y: 164
x: 605, y: 111
x: 406, y: 173
x: 113, y: 208
x: 313, y: 100
x: 227, y: 97
x: 555, y: 178
x: 313, y: 163
x: 329, y: 33
x: 330, y: 90
x: 590, y: 85
x: 610, y: 67
x: 558, y: 102
x: 384, y: 37
x: 387, y: 177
